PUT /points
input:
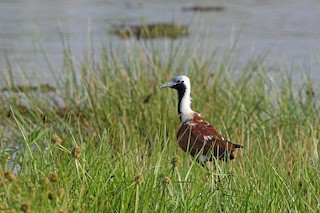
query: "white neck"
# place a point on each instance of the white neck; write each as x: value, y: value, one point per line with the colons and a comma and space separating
x: 185, y: 111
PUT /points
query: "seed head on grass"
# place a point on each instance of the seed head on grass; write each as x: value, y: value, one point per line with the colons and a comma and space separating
x: 6, y: 155
x: 61, y: 191
x: 10, y: 176
x: 63, y: 211
x: 76, y: 152
x: 31, y: 188
x: 91, y: 198
x: 56, y: 140
x: 54, y: 177
x: 25, y: 206
x: 18, y: 190
x: 138, y: 179
x: 166, y: 181
x: 44, y: 181
x: 12, y: 210
x: 50, y: 195
x: 175, y: 161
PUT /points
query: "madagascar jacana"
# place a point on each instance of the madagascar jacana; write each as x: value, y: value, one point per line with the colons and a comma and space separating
x: 196, y: 136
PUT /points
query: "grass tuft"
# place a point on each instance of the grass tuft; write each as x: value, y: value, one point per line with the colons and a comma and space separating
x: 104, y: 139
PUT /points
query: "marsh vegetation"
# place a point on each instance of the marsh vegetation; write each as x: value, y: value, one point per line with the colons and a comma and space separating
x: 109, y: 144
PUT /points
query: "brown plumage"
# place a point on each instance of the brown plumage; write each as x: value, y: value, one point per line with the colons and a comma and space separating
x: 196, y: 136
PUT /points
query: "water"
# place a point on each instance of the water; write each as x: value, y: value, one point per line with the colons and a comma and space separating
x: 287, y: 30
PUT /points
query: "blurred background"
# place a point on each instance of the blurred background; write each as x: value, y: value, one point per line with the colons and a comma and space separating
x: 284, y: 33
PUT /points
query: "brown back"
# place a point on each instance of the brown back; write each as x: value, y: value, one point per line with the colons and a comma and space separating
x: 197, y: 135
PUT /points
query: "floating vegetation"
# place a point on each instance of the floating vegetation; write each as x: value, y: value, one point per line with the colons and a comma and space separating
x: 151, y: 31
x: 204, y: 8
x: 27, y: 88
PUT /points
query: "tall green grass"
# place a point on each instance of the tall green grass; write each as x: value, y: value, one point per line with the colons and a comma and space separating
x: 111, y: 146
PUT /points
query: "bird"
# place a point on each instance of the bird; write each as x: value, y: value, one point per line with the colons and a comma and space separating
x: 197, y: 136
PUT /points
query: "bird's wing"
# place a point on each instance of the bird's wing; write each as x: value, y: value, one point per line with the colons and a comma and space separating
x: 198, y: 135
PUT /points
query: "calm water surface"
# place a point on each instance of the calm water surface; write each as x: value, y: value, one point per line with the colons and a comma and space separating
x: 288, y: 31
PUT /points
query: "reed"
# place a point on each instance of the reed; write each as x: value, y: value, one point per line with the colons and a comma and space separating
x: 109, y: 144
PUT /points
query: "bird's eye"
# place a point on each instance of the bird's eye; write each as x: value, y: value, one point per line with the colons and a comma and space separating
x: 179, y: 81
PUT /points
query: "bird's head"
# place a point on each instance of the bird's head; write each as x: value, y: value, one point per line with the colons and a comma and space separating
x: 182, y: 85
x: 179, y: 83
